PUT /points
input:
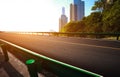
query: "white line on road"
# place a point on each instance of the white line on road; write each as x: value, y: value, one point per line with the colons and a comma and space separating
x: 84, y: 44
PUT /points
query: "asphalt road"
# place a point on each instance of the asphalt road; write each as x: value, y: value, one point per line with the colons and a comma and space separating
x: 98, y: 56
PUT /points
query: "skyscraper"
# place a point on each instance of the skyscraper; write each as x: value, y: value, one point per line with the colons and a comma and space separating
x: 63, y: 19
x: 73, y: 12
x: 77, y: 10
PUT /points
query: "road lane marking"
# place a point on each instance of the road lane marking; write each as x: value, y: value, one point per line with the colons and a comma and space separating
x: 80, y: 44
x: 94, y: 46
x: 86, y: 45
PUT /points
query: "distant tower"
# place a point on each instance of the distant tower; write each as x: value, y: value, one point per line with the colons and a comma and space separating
x: 73, y: 12
x: 63, y: 10
x: 77, y: 10
x: 63, y: 19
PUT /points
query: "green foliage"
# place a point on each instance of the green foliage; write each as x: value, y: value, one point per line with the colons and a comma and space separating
x: 111, y: 18
x: 74, y: 27
x: 93, y: 22
x: 99, y: 5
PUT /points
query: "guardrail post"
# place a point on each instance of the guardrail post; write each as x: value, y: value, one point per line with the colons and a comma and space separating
x: 4, y: 49
x: 117, y: 37
x: 31, y: 68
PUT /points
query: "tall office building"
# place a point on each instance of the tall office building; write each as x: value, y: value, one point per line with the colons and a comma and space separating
x: 63, y: 19
x: 73, y: 12
x: 77, y: 10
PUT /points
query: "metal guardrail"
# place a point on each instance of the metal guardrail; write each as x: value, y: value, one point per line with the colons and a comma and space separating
x: 74, y: 34
x: 36, y: 62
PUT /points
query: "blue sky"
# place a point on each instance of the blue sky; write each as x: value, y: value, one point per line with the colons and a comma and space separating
x: 34, y: 15
x: 66, y: 4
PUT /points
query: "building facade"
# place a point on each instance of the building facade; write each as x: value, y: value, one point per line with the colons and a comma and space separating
x: 73, y: 12
x: 77, y: 10
x: 63, y: 20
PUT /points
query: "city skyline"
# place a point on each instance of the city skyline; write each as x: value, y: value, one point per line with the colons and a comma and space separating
x: 77, y: 10
x: 34, y: 15
x: 63, y: 19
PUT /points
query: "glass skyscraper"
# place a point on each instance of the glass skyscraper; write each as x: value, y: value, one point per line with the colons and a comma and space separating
x: 77, y: 10
x: 63, y: 20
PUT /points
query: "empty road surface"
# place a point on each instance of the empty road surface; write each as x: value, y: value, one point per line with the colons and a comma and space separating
x: 98, y: 56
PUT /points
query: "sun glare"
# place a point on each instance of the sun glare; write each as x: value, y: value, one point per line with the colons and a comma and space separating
x: 28, y: 15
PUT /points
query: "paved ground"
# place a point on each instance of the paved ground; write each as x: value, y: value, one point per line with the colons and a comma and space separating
x: 13, y: 68
x: 2, y: 71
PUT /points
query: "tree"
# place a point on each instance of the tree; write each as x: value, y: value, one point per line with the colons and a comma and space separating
x: 94, y: 22
x: 69, y: 27
x: 74, y: 27
x: 111, y: 18
x: 99, y: 5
